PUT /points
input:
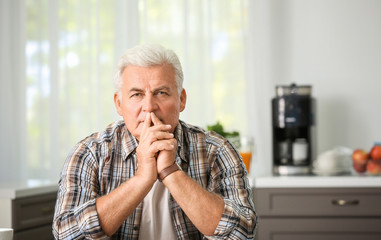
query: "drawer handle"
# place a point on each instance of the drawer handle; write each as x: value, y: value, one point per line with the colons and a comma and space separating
x: 46, y: 210
x: 342, y: 202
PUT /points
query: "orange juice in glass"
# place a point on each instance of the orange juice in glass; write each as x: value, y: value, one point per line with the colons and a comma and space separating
x: 246, y: 151
x: 246, y: 157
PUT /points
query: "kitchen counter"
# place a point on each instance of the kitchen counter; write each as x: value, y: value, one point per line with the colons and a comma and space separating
x: 316, y: 207
x: 313, y: 181
x: 28, y: 208
x: 13, y: 190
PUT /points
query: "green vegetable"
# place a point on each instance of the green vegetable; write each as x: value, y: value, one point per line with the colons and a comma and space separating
x: 218, y: 128
x: 233, y: 137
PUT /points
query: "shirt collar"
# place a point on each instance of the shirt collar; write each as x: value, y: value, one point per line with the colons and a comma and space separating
x: 129, y: 143
x: 182, y: 142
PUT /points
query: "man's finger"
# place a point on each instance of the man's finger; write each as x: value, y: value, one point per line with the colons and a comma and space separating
x: 163, y: 145
x: 156, y: 121
x: 147, y: 121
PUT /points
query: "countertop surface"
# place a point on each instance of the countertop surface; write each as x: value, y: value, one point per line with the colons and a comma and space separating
x: 312, y: 181
x: 17, y: 189
x: 12, y: 190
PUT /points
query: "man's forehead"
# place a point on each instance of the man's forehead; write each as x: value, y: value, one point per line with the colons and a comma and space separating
x: 167, y: 66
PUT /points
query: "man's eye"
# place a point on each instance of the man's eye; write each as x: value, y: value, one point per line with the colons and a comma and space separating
x: 136, y: 95
x: 162, y: 93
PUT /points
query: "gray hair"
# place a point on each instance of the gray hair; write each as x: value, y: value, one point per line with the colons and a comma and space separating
x: 146, y: 56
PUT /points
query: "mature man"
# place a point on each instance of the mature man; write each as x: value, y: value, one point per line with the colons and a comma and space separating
x: 152, y: 176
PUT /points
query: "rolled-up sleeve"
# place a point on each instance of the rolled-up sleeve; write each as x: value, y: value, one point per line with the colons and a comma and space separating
x: 229, y: 180
x: 75, y: 214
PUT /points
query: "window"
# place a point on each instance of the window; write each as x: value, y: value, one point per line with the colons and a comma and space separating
x: 71, y: 50
x: 208, y: 36
x: 69, y: 68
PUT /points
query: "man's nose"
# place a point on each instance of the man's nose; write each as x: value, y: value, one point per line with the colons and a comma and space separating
x: 149, y: 104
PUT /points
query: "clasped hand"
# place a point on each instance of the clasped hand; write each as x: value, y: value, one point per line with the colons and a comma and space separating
x: 157, y: 148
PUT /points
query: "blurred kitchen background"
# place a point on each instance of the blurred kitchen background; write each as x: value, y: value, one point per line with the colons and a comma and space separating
x: 57, y: 60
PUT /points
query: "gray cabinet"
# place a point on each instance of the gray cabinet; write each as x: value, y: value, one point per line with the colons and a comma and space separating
x: 32, y: 217
x: 318, y: 213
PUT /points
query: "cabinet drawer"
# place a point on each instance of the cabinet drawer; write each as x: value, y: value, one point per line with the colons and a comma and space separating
x: 319, y: 228
x: 34, y: 211
x: 40, y: 233
x: 318, y: 202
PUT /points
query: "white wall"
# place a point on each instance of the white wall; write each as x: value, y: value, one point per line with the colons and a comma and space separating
x: 333, y: 45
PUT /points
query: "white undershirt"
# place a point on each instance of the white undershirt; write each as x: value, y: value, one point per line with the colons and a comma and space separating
x: 156, y: 222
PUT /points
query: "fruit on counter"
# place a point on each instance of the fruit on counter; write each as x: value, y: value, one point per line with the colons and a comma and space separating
x: 373, y: 167
x: 370, y: 162
x: 360, y: 168
x: 360, y: 156
x: 360, y: 159
x: 375, y: 153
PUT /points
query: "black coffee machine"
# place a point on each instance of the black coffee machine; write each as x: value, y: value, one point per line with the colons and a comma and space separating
x: 293, y: 115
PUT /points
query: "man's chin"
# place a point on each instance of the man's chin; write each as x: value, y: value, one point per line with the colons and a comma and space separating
x: 136, y: 135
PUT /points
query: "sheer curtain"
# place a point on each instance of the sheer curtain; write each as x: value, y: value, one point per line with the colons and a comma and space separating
x: 58, y: 59
x: 57, y: 64
x: 12, y: 91
x: 209, y: 37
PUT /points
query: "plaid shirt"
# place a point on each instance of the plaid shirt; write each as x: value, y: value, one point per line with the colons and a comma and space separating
x: 103, y: 161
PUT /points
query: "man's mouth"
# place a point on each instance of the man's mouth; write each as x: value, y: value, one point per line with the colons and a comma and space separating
x: 142, y: 122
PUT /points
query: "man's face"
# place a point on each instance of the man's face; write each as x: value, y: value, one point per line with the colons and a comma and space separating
x: 149, y: 89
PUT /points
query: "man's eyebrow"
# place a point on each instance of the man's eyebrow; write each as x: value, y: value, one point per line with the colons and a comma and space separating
x: 162, y: 88
x: 136, y: 90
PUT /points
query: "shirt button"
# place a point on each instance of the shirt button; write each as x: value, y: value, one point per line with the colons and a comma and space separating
x: 136, y: 228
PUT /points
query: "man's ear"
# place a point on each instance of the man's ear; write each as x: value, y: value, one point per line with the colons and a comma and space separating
x: 183, y: 100
x: 117, y: 103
